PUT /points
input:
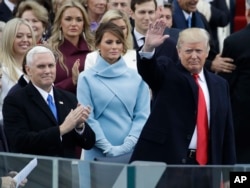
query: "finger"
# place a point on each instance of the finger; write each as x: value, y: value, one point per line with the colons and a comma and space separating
x: 229, y: 67
x: 227, y: 59
x: 88, y: 109
x: 226, y: 71
x: 77, y: 61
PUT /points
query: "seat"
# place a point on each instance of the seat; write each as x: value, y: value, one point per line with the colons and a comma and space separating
x: 3, y: 140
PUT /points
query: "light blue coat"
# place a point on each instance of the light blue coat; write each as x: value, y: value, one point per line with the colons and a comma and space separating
x: 120, y: 102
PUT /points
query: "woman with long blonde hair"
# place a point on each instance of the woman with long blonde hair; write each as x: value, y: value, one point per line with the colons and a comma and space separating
x: 17, y: 38
x: 71, y: 40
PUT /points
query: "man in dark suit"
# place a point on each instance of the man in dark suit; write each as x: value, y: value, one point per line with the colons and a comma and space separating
x: 53, y: 128
x: 29, y: 123
x: 237, y: 47
x: 184, y: 9
x: 6, y: 9
x: 144, y: 12
x: 217, y: 14
x: 171, y: 133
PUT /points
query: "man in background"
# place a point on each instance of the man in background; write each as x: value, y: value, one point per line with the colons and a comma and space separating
x: 236, y: 46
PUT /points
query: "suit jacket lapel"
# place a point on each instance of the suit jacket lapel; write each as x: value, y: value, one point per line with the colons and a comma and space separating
x: 59, y: 106
x: 190, y: 81
x: 213, y: 92
x: 40, y: 102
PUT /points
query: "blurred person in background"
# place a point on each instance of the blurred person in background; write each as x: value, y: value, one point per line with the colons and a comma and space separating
x: 122, y: 5
x: 167, y: 13
x: 2, y: 24
x: 37, y: 16
x: 236, y: 46
x: 95, y: 10
x: 6, y: 9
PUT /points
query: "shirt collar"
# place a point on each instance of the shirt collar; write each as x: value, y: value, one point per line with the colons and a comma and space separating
x: 45, y: 93
x: 187, y: 14
x: 202, y: 76
x: 138, y: 35
x: 10, y: 5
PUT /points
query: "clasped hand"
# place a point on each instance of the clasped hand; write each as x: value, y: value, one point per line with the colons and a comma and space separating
x: 75, y: 119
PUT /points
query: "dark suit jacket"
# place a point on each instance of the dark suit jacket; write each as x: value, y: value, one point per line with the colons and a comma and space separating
x: 220, y: 17
x: 173, y: 33
x: 179, y: 20
x: 32, y: 129
x: 5, y: 12
x: 20, y: 84
x: 198, y: 20
x: 236, y: 46
x: 167, y: 133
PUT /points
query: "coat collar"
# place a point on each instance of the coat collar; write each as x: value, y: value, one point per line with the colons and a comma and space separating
x: 68, y: 48
x: 104, y: 69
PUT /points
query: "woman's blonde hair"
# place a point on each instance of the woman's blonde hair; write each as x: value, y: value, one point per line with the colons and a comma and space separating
x: 112, y: 15
x: 55, y: 41
x: 7, y: 54
x: 38, y: 10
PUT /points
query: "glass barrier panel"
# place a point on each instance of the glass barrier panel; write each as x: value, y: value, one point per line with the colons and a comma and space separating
x: 53, y: 172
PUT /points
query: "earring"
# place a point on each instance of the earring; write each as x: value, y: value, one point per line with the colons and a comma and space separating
x: 60, y: 34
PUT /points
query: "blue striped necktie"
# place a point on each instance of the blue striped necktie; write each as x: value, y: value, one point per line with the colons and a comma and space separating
x: 189, y: 21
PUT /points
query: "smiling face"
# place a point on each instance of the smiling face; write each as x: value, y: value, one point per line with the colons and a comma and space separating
x: 97, y: 7
x: 188, y: 5
x: 36, y: 24
x: 72, y: 23
x: 23, y: 40
x: 110, y: 47
x: 42, y: 71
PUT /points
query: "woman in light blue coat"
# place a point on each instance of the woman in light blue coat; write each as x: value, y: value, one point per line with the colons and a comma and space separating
x: 119, y: 98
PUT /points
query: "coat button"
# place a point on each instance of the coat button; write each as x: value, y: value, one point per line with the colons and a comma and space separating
x: 183, y: 161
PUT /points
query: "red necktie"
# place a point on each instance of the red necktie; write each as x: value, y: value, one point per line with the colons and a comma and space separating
x: 202, y: 127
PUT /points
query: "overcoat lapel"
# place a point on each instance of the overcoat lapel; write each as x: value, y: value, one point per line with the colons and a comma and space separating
x: 40, y: 102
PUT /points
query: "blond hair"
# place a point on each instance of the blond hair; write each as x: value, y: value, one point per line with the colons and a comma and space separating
x: 192, y: 35
x: 55, y: 40
x: 7, y: 53
x: 38, y: 10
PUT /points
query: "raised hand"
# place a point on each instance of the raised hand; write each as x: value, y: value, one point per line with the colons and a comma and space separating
x: 76, y: 117
x: 154, y: 36
x: 75, y: 71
